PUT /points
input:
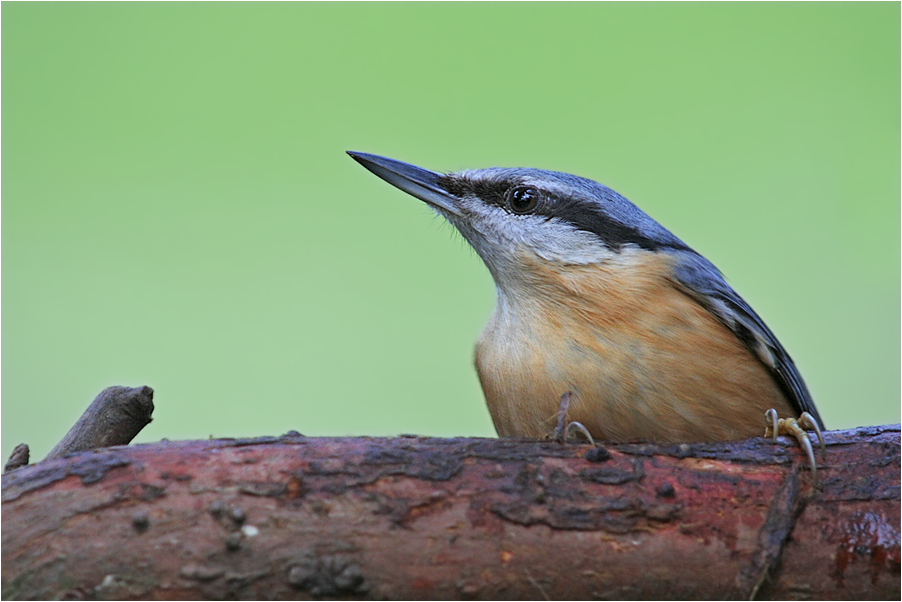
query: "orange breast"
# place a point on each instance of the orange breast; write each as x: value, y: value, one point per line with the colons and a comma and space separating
x: 643, y: 360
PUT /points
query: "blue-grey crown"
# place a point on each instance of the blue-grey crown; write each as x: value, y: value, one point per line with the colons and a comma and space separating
x: 583, y: 203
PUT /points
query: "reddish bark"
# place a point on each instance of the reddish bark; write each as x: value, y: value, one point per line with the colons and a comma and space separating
x: 418, y: 518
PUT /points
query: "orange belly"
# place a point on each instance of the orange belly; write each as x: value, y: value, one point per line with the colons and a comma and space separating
x: 642, y: 359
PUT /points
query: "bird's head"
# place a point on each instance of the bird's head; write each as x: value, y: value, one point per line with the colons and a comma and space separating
x: 509, y: 214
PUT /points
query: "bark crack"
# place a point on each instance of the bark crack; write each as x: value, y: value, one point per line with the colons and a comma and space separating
x: 785, y: 508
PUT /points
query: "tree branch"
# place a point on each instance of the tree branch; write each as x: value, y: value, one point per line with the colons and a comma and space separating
x: 18, y: 458
x: 113, y: 418
x: 419, y: 518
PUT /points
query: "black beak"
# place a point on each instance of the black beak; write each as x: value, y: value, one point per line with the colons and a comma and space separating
x: 416, y: 181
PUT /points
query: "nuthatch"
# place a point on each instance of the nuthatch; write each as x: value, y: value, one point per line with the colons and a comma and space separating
x: 603, y: 312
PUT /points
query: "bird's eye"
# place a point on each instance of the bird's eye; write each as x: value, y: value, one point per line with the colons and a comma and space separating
x: 523, y: 199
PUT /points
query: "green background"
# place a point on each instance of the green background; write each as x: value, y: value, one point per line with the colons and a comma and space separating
x: 178, y: 210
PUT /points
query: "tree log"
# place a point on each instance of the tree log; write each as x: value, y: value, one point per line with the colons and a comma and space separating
x: 420, y: 518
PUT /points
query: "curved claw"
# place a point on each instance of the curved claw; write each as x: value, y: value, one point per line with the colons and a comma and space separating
x: 795, y: 426
x: 564, y: 429
x: 773, y: 423
x: 802, y: 437
x: 578, y: 426
x: 807, y: 421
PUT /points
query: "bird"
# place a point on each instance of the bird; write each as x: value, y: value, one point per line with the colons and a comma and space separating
x: 606, y: 316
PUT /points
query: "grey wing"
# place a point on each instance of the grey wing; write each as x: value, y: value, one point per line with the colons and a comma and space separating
x: 698, y: 277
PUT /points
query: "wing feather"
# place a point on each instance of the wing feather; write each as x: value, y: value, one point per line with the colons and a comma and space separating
x: 701, y: 280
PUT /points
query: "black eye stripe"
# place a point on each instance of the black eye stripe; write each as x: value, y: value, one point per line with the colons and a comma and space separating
x: 504, y: 193
x: 583, y: 204
x: 590, y: 218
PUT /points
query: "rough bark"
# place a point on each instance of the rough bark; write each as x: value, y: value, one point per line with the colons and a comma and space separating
x: 418, y: 518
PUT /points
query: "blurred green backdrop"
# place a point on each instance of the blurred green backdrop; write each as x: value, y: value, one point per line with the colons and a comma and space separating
x: 178, y: 210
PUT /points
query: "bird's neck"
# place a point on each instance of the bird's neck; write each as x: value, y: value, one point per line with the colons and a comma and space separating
x: 606, y: 291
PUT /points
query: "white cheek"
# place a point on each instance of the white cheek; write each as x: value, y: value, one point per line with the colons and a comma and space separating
x: 500, y: 237
x: 566, y: 245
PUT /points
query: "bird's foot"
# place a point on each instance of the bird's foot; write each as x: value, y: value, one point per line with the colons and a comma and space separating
x: 796, y: 427
x: 565, y: 429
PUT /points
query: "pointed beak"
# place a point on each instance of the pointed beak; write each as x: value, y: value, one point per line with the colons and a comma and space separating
x: 415, y: 181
